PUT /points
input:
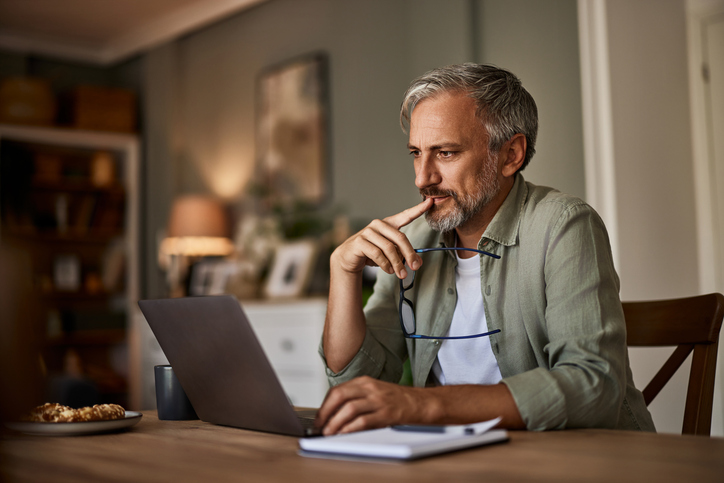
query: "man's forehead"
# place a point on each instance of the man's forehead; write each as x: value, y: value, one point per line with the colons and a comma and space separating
x: 446, y: 112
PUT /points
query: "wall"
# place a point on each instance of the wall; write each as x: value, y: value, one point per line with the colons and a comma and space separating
x: 538, y: 41
x: 200, y: 109
x: 652, y: 148
x: 200, y: 94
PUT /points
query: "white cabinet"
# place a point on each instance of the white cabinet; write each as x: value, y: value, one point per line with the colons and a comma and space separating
x: 290, y: 333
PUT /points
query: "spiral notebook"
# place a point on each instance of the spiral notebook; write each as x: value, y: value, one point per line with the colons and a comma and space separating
x: 399, y: 444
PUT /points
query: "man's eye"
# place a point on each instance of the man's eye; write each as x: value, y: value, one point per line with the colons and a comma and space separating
x: 415, y: 153
x: 446, y: 154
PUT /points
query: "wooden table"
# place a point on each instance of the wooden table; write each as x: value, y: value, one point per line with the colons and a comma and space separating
x: 181, y: 451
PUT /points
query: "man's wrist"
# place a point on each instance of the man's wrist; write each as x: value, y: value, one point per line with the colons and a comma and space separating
x: 468, y: 403
x: 337, y: 264
x: 338, y: 274
x: 431, y: 409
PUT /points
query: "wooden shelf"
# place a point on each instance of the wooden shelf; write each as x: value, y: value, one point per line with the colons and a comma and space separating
x: 72, y: 236
x: 78, y: 296
x: 78, y: 186
x: 88, y: 338
x: 75, y: 232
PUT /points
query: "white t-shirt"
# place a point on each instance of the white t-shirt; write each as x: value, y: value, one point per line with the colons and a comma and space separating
x: 467, y: 361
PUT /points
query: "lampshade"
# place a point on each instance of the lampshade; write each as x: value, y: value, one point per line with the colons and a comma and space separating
x: 198, y: 226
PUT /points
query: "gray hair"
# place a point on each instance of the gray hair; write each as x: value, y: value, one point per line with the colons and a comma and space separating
x: 504, y: 107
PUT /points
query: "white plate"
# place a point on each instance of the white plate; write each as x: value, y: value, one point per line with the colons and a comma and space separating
x: 76, y: 429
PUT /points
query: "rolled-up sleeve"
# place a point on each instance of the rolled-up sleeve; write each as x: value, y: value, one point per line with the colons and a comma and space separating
x: 581, y: 328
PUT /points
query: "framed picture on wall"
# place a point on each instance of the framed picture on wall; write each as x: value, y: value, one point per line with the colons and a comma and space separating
x: 292, y: 131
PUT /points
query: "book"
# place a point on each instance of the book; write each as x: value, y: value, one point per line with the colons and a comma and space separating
x: 401, y: 443
x: 84, y: 215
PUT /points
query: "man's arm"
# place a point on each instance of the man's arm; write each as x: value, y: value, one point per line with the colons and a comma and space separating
x: 381, y: 244
x: 581, y: 333
x: 366, y: 403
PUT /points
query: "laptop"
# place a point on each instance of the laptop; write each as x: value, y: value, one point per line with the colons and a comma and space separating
x: 221, y: 365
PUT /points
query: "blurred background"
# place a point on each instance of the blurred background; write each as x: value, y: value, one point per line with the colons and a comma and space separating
x: 192, y: 147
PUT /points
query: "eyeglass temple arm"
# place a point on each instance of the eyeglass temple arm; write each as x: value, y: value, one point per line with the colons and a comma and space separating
x: 484, y: 334
x: 423, y: 250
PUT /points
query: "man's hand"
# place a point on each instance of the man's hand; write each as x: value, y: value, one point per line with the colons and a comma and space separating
x: 382, y: 244
x: 366, y: 403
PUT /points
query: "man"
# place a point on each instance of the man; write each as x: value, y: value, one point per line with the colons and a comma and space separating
x: 557, y: 356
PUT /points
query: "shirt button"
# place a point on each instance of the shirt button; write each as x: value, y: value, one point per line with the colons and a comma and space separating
x: 437, y: 342
x: 450, y: 291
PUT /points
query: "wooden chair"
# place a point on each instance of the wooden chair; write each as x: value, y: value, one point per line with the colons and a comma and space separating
x: 691, y: 324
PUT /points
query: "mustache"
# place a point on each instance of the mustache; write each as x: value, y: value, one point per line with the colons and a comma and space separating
x: 432, y: 192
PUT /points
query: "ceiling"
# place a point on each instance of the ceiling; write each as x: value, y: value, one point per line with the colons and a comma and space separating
x: 104, y: 31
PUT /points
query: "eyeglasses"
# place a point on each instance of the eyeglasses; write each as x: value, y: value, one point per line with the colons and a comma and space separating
x: 407, y: 308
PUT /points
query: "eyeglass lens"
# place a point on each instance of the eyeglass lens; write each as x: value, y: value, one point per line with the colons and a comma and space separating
x: 408, y: 317
x: 409, y: 279
x: 406, y: 310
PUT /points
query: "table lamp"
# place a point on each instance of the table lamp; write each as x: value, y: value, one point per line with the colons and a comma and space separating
x: 198, y: 227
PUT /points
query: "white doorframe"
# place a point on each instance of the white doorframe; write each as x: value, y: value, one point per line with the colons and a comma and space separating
x: 711, y: 265
x: 597, y: 116
x: 599, y: 145
x: 709, y: 279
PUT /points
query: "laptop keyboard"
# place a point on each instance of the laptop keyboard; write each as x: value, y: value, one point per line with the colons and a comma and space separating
x: 307, y: 421
x: 306, y: 418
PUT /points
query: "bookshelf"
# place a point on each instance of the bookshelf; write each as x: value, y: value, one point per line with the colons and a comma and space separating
x: 70, y: 199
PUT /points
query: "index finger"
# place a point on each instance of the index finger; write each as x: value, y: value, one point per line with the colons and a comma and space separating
x: 409, y: 215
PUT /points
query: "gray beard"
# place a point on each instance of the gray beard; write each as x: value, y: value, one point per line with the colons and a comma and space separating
x: 466, y: 206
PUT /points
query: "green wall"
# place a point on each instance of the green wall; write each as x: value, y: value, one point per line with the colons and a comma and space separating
x: 538, y: 41
x: 199, y: 92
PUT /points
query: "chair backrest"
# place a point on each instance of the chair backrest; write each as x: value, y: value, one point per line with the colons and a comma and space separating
x: 691, y: 324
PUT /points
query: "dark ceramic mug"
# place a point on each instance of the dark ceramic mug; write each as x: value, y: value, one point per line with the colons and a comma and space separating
x: 171, y: 400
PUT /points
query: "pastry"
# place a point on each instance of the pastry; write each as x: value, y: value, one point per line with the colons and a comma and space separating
x: 57, y: 413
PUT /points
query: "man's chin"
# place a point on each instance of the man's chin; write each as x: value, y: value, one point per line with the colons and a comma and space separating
x: 439, y: 222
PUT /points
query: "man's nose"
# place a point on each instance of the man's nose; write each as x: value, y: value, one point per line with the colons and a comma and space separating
x: 426, y: 173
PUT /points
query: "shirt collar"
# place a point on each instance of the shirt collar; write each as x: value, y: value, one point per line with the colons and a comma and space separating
x: 504, y: 227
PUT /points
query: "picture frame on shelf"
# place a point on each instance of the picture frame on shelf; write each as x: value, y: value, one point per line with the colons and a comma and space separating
x: 291, y: 269
x: 211, y: 277
x: 292, y: 131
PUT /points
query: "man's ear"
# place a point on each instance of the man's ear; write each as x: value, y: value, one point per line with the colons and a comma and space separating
x: 513, y: 154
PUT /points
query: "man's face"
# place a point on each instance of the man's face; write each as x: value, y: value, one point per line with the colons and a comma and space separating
x: 452, y: 162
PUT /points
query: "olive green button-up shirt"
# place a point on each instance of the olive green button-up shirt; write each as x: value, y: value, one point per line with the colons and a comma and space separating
x: 553, y: 294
